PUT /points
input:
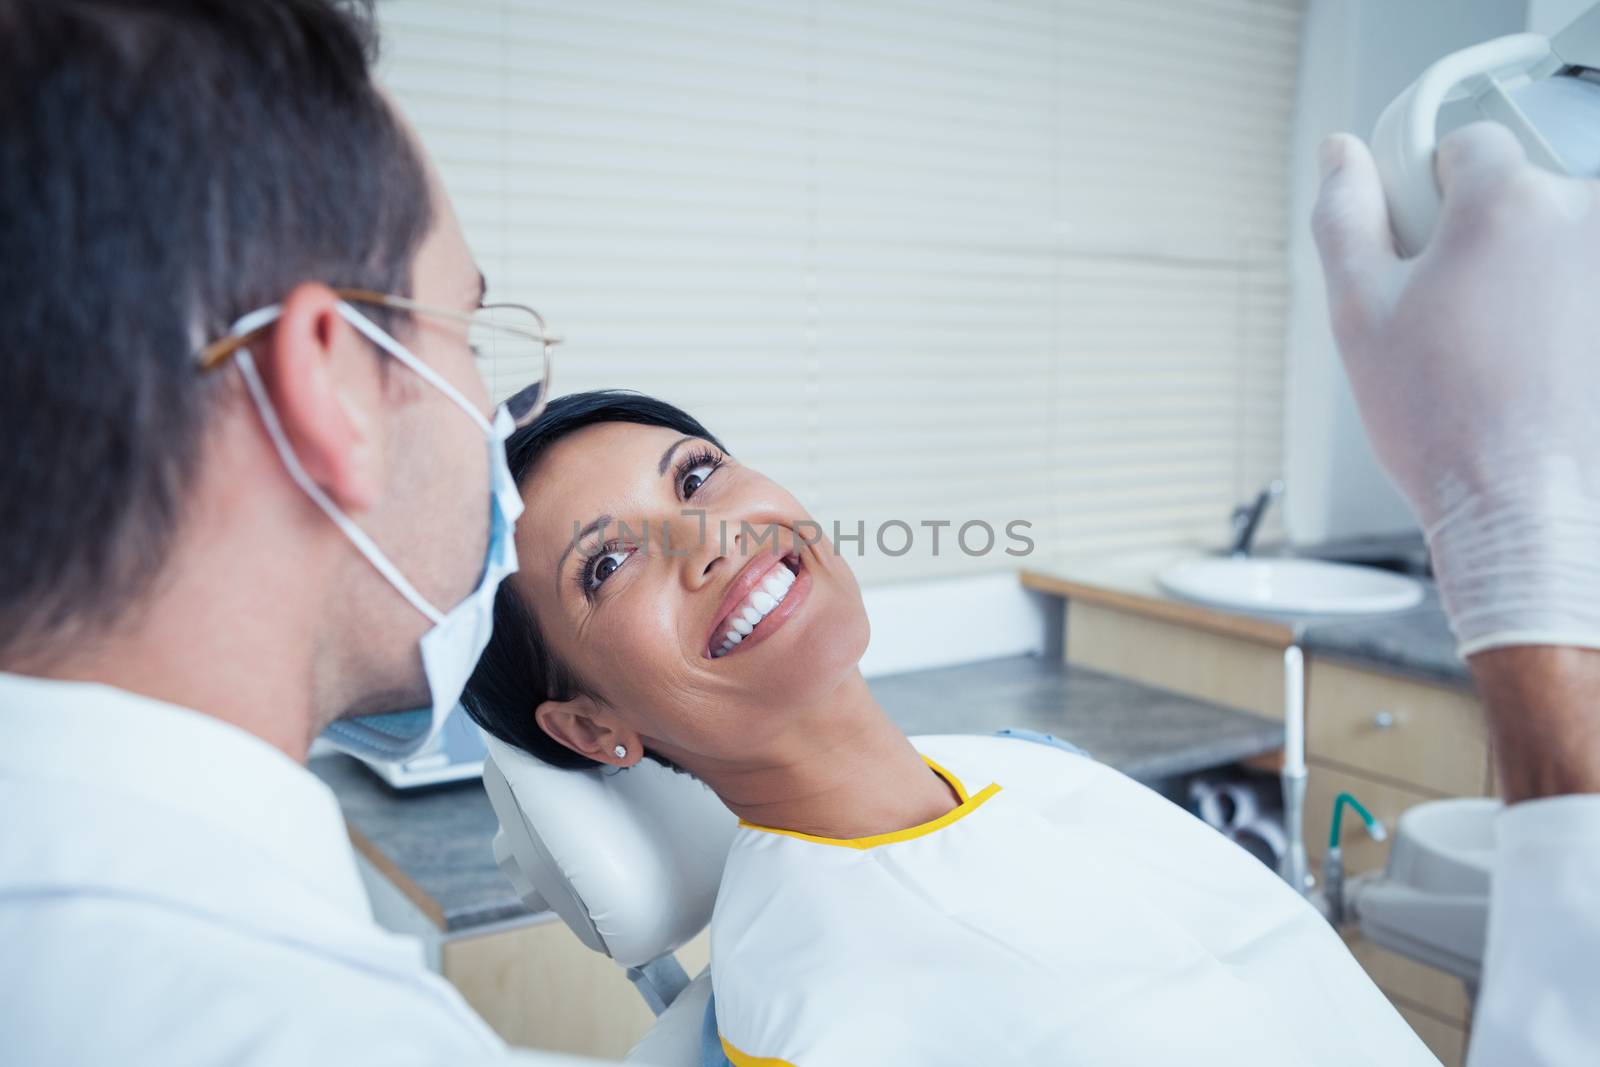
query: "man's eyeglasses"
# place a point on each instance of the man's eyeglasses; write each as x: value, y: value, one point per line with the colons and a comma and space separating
x: 511, y: 339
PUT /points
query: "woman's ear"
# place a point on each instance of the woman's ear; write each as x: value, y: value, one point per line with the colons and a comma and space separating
x: 582, y: 726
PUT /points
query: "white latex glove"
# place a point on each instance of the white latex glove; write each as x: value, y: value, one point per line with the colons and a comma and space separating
x: 1476, y: 367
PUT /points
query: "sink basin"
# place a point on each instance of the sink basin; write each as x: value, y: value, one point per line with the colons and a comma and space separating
x: 1300, y: 586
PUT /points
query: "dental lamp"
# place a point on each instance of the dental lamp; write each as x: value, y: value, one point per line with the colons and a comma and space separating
x: 1544, y: 90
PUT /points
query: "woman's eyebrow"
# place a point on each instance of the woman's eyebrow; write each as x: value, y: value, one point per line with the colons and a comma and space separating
x: 598, y: 523
x: 605, y: 520
x: 666, y: 457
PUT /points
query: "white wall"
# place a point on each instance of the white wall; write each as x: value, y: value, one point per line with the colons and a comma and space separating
x: 1551, y: 16
x: 920, y: 625
x: 1356, y: 56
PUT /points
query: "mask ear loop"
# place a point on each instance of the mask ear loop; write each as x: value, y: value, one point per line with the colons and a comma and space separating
x: 496, y: 431
x: 364, y: 544
x: 371, y: 332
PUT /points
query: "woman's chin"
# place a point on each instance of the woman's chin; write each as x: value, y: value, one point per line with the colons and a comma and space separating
x: 837, y: 631
x: 824, y: 654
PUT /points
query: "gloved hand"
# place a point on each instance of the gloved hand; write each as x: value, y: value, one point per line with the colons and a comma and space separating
x: 1476, y: 367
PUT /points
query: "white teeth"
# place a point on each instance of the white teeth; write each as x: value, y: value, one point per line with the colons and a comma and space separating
x: 766, y: 596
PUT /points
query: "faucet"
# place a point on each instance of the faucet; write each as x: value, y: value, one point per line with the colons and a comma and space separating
x: 1247, y: 519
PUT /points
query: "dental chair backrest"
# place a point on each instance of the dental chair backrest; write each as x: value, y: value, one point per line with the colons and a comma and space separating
x: 629, y: 859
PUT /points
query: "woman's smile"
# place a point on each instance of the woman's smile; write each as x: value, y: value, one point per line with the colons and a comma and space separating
x: 760, y: 599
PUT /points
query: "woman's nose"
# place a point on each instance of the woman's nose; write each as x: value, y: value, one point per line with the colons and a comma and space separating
x: 709, y: 557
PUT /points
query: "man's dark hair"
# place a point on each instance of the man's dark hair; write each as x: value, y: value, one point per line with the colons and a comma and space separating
x: 518, y: 672
x: 165, y: 167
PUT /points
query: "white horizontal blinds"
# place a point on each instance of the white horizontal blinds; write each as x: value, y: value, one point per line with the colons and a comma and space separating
x: 1172, y: 215
x: 638, y: 172
x: 931, y: 261
x: 934, y: 264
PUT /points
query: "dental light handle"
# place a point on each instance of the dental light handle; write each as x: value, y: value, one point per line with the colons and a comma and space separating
x: 1545, y: 91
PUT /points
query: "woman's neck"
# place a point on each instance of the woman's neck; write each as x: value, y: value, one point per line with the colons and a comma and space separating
x: 862, y: 779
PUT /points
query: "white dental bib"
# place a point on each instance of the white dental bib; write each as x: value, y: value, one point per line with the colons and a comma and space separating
x: 1064, y: 914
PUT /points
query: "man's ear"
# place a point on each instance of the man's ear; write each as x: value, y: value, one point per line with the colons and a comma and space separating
x: 580, y: 725
x: 326, y: 387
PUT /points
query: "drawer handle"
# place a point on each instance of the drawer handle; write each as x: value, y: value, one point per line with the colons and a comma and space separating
x: 1385, y: 720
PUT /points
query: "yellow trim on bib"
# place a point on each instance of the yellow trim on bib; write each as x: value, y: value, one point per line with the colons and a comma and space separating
x: 743, y: 1059
x: 968, y: 805
x: 952, y: 780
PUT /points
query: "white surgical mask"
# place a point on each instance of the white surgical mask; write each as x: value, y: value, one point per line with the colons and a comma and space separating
x: 452, y: 645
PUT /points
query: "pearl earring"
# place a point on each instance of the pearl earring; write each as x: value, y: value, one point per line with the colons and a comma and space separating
x: 621, y: 752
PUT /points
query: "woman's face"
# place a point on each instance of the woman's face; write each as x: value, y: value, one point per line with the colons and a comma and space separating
x: 695, y: 599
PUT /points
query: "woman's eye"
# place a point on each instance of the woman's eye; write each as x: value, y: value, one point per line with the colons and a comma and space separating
x: 605, y: 565
x: 695, y: 477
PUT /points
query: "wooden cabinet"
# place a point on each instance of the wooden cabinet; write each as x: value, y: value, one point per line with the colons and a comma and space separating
x: 1447, y: 1042
x: 1436, y: 993
x: 1393, y: 743
x: 1429, y: 737
x: 540, y: 987
x: 1225, y: 668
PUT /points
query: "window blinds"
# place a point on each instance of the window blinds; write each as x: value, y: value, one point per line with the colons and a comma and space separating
x: 933, y: 261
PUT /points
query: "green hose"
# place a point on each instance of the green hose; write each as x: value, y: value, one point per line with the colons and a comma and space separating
x: 1374, y: 827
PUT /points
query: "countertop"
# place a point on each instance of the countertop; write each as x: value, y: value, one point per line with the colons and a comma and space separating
x: 1416, y: 643
x: 433, y: 845
x: 1144, y: 732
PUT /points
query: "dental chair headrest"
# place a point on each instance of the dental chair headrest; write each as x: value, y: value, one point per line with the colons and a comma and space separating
x: 629, y: 859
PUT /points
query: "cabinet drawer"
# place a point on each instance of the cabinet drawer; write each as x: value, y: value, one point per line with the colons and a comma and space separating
x: 1385, y: 800
x: 1424, y: 735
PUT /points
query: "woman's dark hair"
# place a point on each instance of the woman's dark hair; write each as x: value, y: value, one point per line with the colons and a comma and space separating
x: 517, y: 671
